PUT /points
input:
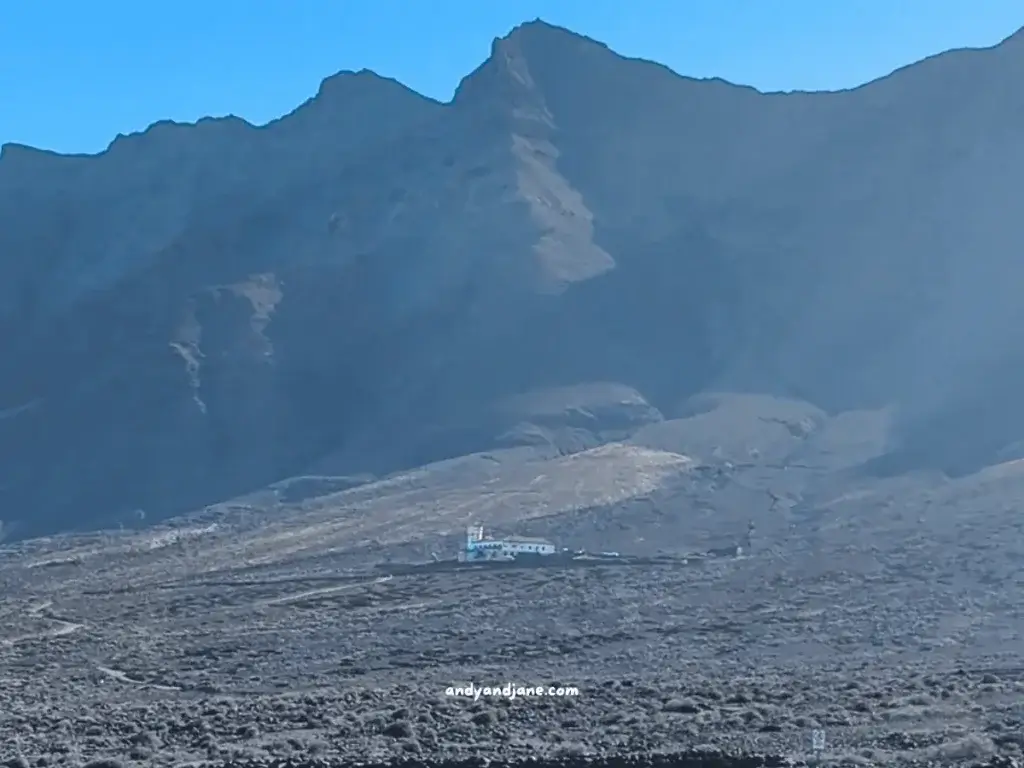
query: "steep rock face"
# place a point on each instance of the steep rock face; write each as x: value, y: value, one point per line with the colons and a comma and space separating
x: 203, y: 310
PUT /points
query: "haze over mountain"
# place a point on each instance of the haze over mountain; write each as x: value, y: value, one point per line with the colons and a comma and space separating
x: 564, y: 256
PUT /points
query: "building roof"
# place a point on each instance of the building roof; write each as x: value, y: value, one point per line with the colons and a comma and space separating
x: 525, y: 540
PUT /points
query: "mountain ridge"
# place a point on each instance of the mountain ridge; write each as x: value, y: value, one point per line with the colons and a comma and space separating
x: 212, y: 308
x: 1015, y: 38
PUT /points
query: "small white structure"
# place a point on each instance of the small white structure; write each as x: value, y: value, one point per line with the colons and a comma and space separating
x: 480, y: 547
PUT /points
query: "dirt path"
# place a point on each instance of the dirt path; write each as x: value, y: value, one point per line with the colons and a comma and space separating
x: 123, y: 677
x: 299, y: 596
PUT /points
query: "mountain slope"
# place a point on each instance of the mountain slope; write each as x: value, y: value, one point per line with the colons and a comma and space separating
x: 203, y: 310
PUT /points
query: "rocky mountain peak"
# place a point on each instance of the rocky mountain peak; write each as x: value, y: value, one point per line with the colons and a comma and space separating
x: 519, y: 62
x: 573, y: 216
x: 349, y: 86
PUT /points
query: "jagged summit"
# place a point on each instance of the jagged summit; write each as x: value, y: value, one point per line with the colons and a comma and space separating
x: 534, y: 47
x: 355, y: 84
x: 531, y: 44
x: 345, y: 90
x: 177, y: 130
x: 538, y: 30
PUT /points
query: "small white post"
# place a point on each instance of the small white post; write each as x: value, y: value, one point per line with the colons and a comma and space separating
x: 817, y: 744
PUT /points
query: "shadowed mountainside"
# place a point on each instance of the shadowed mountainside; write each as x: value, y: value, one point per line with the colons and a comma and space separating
x: 377, y: 281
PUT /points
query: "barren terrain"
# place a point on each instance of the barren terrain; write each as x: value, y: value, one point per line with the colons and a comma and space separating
x: 887, y: 616
x: 251, y: 371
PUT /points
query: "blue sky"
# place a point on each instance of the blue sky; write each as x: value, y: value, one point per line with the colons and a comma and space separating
x: 74, y: 74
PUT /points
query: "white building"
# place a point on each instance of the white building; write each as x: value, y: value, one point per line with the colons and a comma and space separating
x: 481, y: 547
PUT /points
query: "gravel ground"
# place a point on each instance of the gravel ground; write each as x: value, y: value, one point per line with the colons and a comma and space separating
x: 140, y: 658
